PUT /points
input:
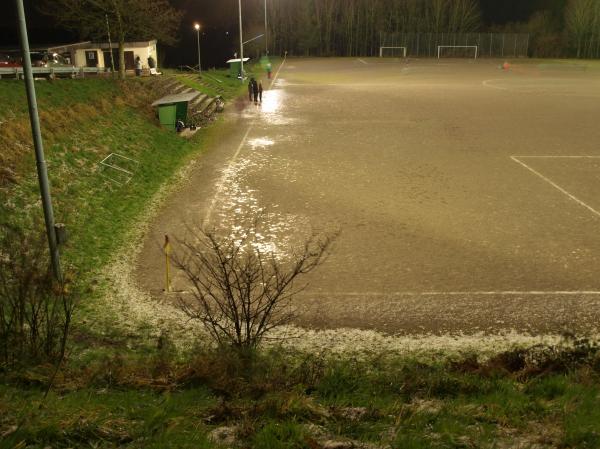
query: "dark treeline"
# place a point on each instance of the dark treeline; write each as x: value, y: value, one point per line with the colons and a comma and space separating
x: 567, y: 28
x: 353, y: 27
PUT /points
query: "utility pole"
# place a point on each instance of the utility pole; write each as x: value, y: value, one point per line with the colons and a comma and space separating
x: 266, y: 32
x: 241, y: 43
x: 38, y: 144
x: 197, y: 27
x: 112, y: 59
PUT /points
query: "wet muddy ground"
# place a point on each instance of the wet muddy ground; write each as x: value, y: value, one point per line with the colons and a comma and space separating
x: 468, y: 197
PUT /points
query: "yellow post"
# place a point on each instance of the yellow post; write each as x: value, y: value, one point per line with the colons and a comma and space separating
x: 167, y: 249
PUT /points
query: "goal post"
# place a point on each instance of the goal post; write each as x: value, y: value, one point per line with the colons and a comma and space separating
x: 465, y: 49
x: 392, y: 51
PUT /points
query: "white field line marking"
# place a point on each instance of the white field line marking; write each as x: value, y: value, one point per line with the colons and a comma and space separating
x: 436, y: 293
x: 363, y: 61
x: 223, y: 179
x: 486, y: 83
x: 557, y: 157
x: 364, y: 85
x: 475, y: 293
x: 277, y: 73
x: 556, y: 186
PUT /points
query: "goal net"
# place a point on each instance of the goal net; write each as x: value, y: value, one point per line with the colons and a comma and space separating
x: 392, y: 52
x: 458, y: 51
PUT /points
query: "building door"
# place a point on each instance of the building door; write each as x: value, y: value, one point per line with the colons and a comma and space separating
x: 91, y: 58
x: 129, y: 61
x: 107, y: 60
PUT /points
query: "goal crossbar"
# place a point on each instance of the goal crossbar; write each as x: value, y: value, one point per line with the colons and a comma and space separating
x: 404, y: 50
x: 476, y: 47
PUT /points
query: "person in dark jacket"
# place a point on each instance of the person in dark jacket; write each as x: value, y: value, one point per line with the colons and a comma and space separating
x: 250, y: 89
x: 255, y: 90
x: 260, y: 91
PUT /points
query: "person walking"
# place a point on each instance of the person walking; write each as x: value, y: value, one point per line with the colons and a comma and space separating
x: 260, y: 91
x: 138, y: 66
x: 255, y: 90
x: 250, y: 89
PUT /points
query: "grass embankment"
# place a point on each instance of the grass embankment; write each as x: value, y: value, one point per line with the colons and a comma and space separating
x: 84, y: 121
x: 542, y: 399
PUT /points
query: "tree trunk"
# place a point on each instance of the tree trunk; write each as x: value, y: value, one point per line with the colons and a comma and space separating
x: 121, y: 44
x: 121, y: 58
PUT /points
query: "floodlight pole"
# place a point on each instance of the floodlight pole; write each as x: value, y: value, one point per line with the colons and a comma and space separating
x: 112, y: 58
x: 197, y: 27
x: 266, y: 34
x: 38, y: 144
x: 241, y: 43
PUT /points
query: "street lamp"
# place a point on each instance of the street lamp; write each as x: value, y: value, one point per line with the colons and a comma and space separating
x: 241, y: 43
x: 266, y: 33
x: 197, y: 27
x: 38, y: 144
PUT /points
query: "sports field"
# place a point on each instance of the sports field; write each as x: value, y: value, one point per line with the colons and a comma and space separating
x: 468, y: 197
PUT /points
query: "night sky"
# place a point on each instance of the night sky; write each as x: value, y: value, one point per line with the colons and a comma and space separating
x: 220, y: 25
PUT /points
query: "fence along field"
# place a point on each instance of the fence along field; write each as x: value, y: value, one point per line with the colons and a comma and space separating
x: 491, y: 45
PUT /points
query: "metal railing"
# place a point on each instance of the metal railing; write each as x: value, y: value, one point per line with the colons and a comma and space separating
x: 51, y: 72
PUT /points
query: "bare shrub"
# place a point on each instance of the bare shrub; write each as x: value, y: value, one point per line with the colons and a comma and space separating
x: 240, y: 292
x: 35, y: 310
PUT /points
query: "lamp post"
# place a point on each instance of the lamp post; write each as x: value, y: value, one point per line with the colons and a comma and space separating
x: 241, y: 43
x: 38, y: 144
x: 197, y: 27
x: 266, y: 32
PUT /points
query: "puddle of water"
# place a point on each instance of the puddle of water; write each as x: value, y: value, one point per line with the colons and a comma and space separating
x: 260, y: 142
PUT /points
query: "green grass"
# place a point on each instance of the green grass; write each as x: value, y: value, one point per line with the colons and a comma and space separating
x: 83, y: 121
x: 289, y: 401
x: 215, y: 83
x: 219, y: 82
x: 108, y: 418
x: 53, y: 95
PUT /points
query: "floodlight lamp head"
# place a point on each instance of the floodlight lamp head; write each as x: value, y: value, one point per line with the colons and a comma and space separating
x: 197, y: 26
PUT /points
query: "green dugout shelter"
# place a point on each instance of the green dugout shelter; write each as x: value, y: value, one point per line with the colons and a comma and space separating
x: 235, y: 66
x: 174, y: 107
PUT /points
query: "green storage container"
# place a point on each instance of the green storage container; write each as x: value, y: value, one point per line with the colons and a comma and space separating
x: 174, y: 107
x: 167, y: 115
x: 235, y: 66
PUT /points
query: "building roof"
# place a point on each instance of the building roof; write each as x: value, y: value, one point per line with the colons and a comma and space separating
x: 89, y: 45
x: 177, y: 98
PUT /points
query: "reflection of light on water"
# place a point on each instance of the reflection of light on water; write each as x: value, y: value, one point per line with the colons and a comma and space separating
x: 238, y: 209
x: 260, y: 142
x: 272, y: 100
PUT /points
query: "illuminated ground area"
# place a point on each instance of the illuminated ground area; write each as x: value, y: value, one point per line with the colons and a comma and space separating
x: 451, y: 220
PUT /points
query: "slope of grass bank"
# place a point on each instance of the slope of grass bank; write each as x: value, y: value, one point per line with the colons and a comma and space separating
x: 83, y: 122
x: 548, y: 398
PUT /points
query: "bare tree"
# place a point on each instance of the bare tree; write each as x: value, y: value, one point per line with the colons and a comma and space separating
x: 582, y: 21
x: 35, y: 312
x: 136, y: 19
x: 239, y: 291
